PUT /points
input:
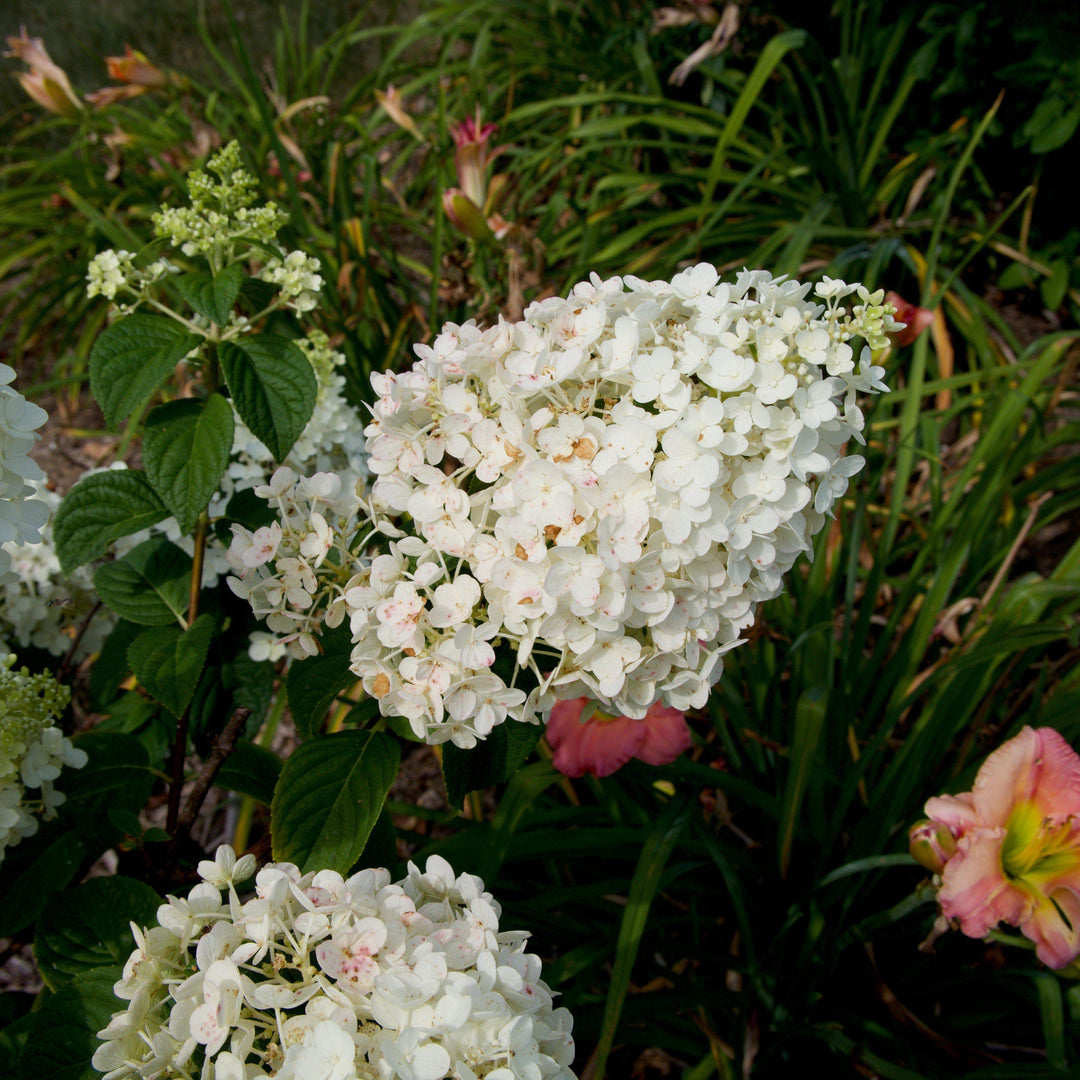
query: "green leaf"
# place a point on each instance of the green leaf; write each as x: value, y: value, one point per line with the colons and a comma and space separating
x: 132, y: 358
x: 88, y: 927
x: 809, y: 722
x: 186, y: 446
x: 1054, y: 287
x: 111, y: 667
x: 247, y: 509
x: 116, y: 776
x: 212, y: 296
x: 149, y: 585
x: 313, y: 683
x: 329, y: 797
x: 100, y: 509
x: 273, y: 387
x: 63, y: 1037
x: 28, y: 883
x: 168, y: 662
x: 491, y: 761
x: 252, y: 770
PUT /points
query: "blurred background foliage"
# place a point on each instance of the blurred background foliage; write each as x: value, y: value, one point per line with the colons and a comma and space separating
x: 750, y: 909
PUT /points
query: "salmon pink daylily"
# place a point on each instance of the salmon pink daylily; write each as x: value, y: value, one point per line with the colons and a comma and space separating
x: 1017, y: 845
x: 915, y: 319
x: 603, y: 743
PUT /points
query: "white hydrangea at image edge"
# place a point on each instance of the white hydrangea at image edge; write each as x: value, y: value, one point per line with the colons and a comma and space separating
x: 21, y: 516
x: 318, y: 977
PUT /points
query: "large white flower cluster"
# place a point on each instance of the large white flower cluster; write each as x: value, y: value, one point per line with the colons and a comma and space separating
x: 324, y: 978
x: 21, y: 517
x: 32, y: 751
x: 607, y: 487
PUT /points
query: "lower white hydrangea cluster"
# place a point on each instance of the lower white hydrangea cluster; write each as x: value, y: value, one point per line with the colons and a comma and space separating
x: 318, y: 977
x: 21, y: 516
x: 606, y: 488
x: 32, y: 751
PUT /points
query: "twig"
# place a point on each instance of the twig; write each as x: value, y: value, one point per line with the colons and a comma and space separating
x: 63, y: 672
x: 176, y: 773
x: 223, y: 747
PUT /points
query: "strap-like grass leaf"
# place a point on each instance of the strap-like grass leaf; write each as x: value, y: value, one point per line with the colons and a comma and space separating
x: 89, y: 927
x: 186, y: 447
x: 149, y: 585
x: 273, y: 387
x: 132, y: 358
x: 809, y: 721
x: 212, y: 296
x: 168, y: 661
x: 98, y: 510
x: 329, y: 796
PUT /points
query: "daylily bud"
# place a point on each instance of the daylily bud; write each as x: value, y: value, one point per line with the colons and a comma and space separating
x: 465, y: 215
x: 917, y: 319
x: 134, y: 67
x: 45, y: 82
x: 472, y: 158
x: 931, y: 845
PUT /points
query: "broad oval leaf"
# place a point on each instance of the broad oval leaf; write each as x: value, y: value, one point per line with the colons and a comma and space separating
x: 168, y: 662
x: 100, y: 509
x: 149, y: 585
x: 212, y: 296
x: 314, y: 682
x: 490, y: 762
x: 132, y: 358
x: 186, y: 446
x: 89, y: 927
x: 252, y: 770
x: 329, y: 796
x: 273, y: 387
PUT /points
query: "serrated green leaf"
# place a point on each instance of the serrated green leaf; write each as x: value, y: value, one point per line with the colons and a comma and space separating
x: 491, y: 761
x: 313, y: 683
x: 252, y: 770
x: 30, y: 877
x: 100, y: 509
x: 88, y: 927
x: 273, y: 387
x: 116, y: 776
x: 111, y: 667
x: 168, y: 662
x: 329, y: 796
x: 63, y: 1037
x: 212, y: 296
x: 132, y: 358
x: 149, y: 585
x: 247, y: 509
x: 186, y: 446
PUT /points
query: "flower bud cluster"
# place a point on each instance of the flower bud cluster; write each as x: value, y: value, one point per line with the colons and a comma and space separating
x: 32, y: 750
x: 318, y: 977
x: 221, y: 211
x: 110, y: 272
x: 298, y: 278
x: 607, y: 488
x: 21, y: 516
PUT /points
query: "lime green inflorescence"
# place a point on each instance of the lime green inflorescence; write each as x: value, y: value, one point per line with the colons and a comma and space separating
x: 28, y: 705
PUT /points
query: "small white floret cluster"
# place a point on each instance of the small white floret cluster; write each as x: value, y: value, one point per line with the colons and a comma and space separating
x: 21, y: 517
x: 607, y: 488
x: 32, y: 751
x: 324, y: 978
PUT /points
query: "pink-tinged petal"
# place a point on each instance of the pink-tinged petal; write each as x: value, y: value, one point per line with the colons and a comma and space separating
x: 599, y: 746
x: 974, y: 888
x: 1037, y: 767
x: 956, y: 812
x: 1057, y: 943
x: 917, y: 319
x: 666, y: 735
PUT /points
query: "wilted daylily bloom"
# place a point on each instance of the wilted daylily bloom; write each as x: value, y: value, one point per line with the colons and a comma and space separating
x: 917, y: 319
x: 1016, y: 856
x: 601, y: 743
x: 45, y: 82
x: 134, y: 67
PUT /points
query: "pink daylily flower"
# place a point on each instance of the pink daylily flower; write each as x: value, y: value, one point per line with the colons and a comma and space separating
x: 605, y: 743
x: 45, y: 82
x: 1017, y: 850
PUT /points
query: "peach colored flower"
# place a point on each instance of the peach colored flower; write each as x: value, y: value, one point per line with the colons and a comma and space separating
x: 917, y: 318
x: 602, y: 744
x: 45, y: 82
x: 135, y: 67
x: 1017, y: 855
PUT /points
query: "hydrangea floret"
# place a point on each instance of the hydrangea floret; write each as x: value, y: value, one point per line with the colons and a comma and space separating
x: 319, y: 976
x: 21, y: 515
x: 604, y: 490
x: 32, y: 750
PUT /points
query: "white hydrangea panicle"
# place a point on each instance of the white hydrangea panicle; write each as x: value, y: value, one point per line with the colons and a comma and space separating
x: 21, y: 516
x: 33, y: 751
x: 603, y: 491
x: 319, y: 976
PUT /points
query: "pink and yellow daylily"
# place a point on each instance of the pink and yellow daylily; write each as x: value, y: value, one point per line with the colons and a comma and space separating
x: 1017, y: 845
